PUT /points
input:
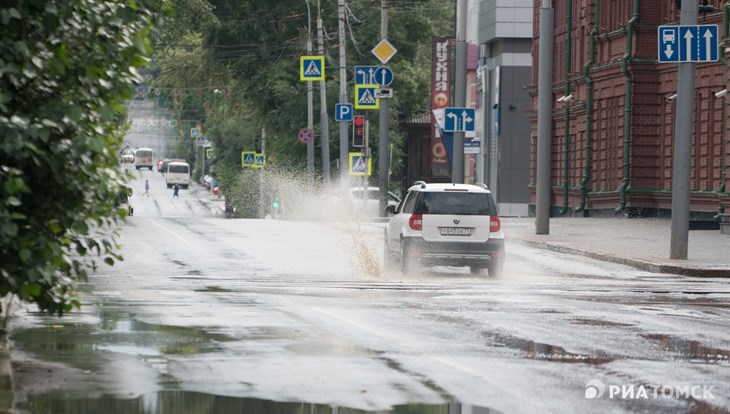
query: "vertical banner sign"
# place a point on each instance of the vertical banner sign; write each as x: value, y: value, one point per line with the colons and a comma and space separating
x: 440, y: 95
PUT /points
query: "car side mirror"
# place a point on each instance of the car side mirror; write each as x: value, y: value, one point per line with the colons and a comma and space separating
x: 390, y: 210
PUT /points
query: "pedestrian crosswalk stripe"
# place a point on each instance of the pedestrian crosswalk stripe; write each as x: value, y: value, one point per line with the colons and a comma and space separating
x: 312, y: 69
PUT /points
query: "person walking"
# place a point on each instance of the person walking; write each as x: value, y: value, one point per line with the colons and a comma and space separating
x: 147, y: 188
x: 175, y: 189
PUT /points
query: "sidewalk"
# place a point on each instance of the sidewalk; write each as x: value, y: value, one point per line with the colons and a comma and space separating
x: 216, y: 204
x: 641, y: 243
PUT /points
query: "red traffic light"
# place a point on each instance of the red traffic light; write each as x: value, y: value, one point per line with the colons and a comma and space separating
x: 359, y: 120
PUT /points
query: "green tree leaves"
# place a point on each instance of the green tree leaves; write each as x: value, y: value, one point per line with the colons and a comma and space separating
x: 65, y: 70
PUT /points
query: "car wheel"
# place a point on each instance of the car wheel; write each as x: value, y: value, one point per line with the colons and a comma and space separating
x: 496, y: 268
x: 475, y: 270
x: 407, y: 258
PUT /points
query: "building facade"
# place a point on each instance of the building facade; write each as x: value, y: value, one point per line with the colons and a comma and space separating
x: 612, y: 141
x: 505, y: 39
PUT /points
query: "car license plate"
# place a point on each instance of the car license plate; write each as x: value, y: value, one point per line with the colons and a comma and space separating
x: 455, y: 231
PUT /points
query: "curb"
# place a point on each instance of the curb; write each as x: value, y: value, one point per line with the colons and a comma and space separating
x: 645, y: 265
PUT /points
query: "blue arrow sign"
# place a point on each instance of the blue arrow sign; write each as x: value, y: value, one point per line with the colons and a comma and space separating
x: 688, y: 43
x: 459, y: 119
x: 343, y: 112
x: 383, y: 76
x: 365, y: 75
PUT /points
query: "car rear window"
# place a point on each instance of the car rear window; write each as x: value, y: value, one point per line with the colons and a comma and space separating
x: 177, y: 168
x: 458, y: 203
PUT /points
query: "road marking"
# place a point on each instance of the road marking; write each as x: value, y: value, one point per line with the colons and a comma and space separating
x: 172, y: 232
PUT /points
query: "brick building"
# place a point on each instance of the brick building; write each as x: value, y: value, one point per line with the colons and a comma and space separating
x: 612, y: 143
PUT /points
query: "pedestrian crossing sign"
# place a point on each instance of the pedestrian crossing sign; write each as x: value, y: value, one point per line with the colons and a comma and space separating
x: 365, y: 97
x: 259, y: 161
x: 360, y: 165
x: 248, y: 158
x: 311, y: 68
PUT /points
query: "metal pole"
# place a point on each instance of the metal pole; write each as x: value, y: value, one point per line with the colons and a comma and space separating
x: 683, y: 144
x: 262, y: 177
x: 544, y: 119
x: 310, y: 109
x: 457, y: 170
x: 344, y: 141
x: 383, y: 156
x: 323, y: 120
x: 483, y: 158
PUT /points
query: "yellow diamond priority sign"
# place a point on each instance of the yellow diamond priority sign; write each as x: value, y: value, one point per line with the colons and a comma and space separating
x: 384, y: 51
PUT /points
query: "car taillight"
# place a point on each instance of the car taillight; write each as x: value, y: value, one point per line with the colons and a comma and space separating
x: 416, y: 222
x: 494, y: 224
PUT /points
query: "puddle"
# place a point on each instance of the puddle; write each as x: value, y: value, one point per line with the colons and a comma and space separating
x: 598, y: 322
x: 543, y: 352
x: 689, y: 350
x: 214, y: 289
x: 175, y: 402
x: 78, y: 342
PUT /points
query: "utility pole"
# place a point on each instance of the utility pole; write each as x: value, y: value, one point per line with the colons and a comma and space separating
x: 683, y: 145
x: 544, y: 119
x: 344, y: 142
x: 310, y: 104
x: 383, y: 146
x: 457, y: 170
x: 323, y: 121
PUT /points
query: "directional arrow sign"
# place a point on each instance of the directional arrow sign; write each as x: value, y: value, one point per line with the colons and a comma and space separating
x: 365, y: 75
x: 458, y: 119
x: 383, y: 76
x: 688, y: 43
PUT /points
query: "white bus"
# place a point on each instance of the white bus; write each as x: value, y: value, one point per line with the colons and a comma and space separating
x: 143, y: 158
x: 178, y: 172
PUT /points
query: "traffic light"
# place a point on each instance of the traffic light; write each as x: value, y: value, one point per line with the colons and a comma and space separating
x: 358, y: 130
x: 275, y: 204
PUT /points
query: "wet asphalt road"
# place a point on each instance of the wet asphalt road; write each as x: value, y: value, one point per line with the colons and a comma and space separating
x: 213, y: 315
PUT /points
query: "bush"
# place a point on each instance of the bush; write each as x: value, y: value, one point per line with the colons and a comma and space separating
x: 66, y: 68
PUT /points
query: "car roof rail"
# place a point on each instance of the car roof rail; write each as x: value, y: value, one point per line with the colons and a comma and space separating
x: 484, y: 186
x: 421, y: 183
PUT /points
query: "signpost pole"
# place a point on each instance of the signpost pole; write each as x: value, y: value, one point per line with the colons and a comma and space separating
x: 344, y: 160
x: 683, y: 145
x: 310, y: 109
x: 323, y: 119
x: 383, y: 159
x: 544, y: 119
x: 262, y: 176
x: 457, y: 169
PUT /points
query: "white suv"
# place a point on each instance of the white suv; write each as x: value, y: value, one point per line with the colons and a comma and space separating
x: 445, y: 224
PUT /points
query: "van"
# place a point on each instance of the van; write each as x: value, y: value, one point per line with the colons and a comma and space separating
x: 143, y: 158
x: 178, y: 172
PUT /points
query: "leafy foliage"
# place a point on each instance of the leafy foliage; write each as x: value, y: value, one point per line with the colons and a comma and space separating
x: 65, y: 70
x: 249, y: 52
